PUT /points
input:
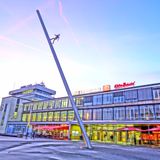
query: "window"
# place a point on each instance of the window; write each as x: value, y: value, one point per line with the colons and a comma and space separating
x: 132, y: 113
x: 88, y: 100
x: 87, y: 114
x: 51, y: 104
x: 64, y: 102
x: 33, y: 117
x: 35, y: 106
x: 45, y: 105
x: 131, y: 96
x: 40, y: 105
x: 108, y: 114
x: 157, y: 111
x: 147, y: 112
x: 58, y: 103
x: 56, y: 116
x: 70, y: 115
x: 118, y: 97
x: 97, y: 114
x: 108, y: 98
x: 50, y: 116
x: 79, y: 101
x: 156, y: 93
x: 97, y: 100
x: 44, y: 116
x: 63, y: 115
x: 25, y: 107
x: 24, y: 117
x: 15, y: 115
x: 145, y: 94
x: 39, y: 117
x: 80, y: 113
x: 119, y: 113
x: 4, y: 114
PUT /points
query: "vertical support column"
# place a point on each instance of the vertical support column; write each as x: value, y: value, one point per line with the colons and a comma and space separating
x: 87, y: 141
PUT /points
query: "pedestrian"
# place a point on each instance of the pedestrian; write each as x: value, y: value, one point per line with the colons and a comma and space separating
x: 111, y: 137
x: 135, y: 141
x: 26, y: 135
x: 33, y: 134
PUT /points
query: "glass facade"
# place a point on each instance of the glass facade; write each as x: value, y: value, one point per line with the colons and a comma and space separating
x: 104, y: 114
x: 70, y: 115
x: 97, y: 114
x: 64, y: 103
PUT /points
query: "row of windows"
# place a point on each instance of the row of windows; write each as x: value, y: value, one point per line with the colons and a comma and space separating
x: 145, y: 112
x: 102, y: 99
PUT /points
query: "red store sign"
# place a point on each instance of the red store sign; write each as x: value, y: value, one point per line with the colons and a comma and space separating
x: 124, y: 85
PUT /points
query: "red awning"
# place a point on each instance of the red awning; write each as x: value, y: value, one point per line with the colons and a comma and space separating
x: 52, y: 127
x: 153, y: 129
x: 129, y: 129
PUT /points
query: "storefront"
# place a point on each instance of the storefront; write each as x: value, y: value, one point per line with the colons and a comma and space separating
x: 119, y: 134
x: 52, y: 131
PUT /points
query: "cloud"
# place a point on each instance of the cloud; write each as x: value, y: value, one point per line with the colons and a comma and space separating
x: 65, y: 19
x: 13, y: 42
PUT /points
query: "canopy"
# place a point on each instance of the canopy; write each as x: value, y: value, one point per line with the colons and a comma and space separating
x: 154, y: 129
x: 129, y: 129
x: 52, y: 127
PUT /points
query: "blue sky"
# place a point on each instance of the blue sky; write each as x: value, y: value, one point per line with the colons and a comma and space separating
x: 102, y: 42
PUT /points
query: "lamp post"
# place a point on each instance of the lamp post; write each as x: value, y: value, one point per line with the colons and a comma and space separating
x: 88, y: 144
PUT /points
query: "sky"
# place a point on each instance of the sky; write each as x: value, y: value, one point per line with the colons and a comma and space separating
x: 101, y: 42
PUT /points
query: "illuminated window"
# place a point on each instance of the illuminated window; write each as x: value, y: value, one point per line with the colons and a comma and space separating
x: 24, y: 117
x: 50, y: 116
x: 79, y: 101
x: 44, y: 116
x: 63, y: 115
x: 70, y: 115
x: 87, y: 114
x: 80, y: 113
x: 39, y: 117
x: 56, y: 116
x: 33, y: 117
x: 64, y: 103
x: 15, y: 115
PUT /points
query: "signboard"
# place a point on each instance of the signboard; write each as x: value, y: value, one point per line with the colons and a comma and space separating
x: 106, y: 87
x: 124, y: 85
x: 87, y: 91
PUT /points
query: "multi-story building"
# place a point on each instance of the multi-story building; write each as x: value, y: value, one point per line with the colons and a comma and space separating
x: 124, y: 115
x: 11, y: 108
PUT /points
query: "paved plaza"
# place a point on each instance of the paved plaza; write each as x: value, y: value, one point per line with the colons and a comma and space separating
x: 13, y: 148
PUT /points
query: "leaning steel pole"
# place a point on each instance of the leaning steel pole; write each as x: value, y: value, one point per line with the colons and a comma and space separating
x: 87, y: 141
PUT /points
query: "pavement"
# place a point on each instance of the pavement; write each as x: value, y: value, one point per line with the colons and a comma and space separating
x: 13, y: 148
